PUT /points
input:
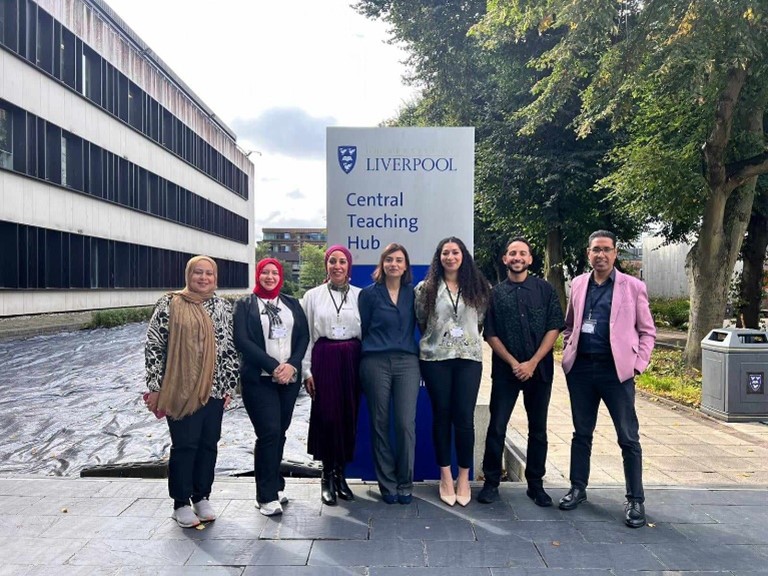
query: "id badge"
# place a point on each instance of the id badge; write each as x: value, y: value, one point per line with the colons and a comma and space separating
x: 278, y: 333
x: 457, y: 332
x: 339, y: 332
x: 589, y: 326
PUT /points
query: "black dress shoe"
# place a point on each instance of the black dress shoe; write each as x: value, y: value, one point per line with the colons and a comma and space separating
x: 343, y: 490
x: 539, y: 497
x: 634, y: 514
x: 327, y: 487
x: 574, y: 497
x: 489, y: 494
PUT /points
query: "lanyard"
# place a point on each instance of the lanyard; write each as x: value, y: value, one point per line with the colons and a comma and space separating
x: 343, y: 301
x: 595, y: 301
x: 456, y: 303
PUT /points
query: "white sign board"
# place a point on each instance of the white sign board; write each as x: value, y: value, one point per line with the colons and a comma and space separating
x: 413, y: 186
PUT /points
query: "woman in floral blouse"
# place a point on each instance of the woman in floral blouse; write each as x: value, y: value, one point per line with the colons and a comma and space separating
x: 192, y: 369
x: 450, y: 306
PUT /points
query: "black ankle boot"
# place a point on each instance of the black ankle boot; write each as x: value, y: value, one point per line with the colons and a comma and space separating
x: 342, y: 488
x: 328, y: 486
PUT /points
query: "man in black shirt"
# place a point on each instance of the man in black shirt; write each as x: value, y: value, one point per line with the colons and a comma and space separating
x: 521, y: 326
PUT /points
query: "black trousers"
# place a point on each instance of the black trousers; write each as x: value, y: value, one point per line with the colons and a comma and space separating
x: 270, y: 408
x: 194, y: 447
x: 589, y: 382
x: 504, y: 393
x: 453, y: 386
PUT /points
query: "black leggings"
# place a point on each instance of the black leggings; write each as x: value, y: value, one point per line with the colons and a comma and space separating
x: 453, y: 386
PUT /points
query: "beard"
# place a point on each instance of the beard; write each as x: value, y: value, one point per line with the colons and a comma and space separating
x: 521, y: 267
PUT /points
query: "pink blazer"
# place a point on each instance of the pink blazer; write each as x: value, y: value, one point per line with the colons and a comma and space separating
x: 633, y: 332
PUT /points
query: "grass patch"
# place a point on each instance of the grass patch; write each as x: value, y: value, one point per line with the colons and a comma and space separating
x: 668, y: 377
x: 119, y: 316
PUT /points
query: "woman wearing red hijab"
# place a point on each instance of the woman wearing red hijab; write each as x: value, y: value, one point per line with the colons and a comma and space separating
x: 271, y: 334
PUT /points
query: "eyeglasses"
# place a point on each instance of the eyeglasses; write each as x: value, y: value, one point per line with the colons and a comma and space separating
x: 601, y: 250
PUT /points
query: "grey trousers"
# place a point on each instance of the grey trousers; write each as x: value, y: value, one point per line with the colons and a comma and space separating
x: 392, y: 379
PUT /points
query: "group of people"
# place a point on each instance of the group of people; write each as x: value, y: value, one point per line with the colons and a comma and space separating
x: 341, y: 340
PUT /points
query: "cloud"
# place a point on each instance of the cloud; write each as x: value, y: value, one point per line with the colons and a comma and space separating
x: 296, y: 194
x: 288, y: 131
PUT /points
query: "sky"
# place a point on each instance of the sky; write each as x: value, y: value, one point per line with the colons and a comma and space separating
x: 278, y: 73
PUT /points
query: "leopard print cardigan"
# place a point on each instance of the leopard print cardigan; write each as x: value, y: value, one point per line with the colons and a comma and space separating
x: 226, y: 373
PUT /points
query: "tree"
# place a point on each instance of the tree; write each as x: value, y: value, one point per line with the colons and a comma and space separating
x: 686, y: 82
x: 525, y: 184
x: 753, y: 276
x: 263, y: 249
x: 311, y: 266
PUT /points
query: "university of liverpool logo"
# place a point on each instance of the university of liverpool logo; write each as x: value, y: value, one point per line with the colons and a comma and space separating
x: 347, y: 158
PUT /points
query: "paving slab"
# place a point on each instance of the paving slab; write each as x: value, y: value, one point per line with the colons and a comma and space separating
x: 692, y: 530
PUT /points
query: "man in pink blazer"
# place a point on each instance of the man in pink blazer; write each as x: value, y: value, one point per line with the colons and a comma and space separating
x: 608, y: 338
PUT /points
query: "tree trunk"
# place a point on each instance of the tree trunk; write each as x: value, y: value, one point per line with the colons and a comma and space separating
x: 753, y: 252
x: 710, y: 264
x: 711, y: 260
x: 553, y: 264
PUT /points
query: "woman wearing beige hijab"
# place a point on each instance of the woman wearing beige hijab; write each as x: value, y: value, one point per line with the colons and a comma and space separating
x: 192, y: 371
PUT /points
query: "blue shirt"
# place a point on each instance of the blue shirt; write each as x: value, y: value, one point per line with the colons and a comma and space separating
x: 386, y: 327
x: 598, y: 307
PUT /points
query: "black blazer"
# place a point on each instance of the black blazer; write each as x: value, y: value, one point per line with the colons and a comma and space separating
x: 249, y: 337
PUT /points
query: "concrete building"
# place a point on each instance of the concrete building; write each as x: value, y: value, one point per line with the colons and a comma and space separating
x: 112, y: 171
x: 285, y: 244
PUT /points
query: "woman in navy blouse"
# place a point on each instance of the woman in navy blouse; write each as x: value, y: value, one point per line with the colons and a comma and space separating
x: 389, y: 371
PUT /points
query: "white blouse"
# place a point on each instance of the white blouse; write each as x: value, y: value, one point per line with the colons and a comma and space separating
x: 277, y: 348
x: 330, y: 315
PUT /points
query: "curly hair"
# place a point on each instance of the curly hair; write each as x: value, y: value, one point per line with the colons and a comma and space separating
x: 475, y: 289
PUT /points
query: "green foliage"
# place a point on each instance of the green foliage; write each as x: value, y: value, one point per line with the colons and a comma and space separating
x: 262, y: 250
x: 670, y: 311
x: 292, y: 288
x: 656, y: 69
x: 527, y: 183
x: 668, y: 376
x: 312, y: 266
x: 119, y: 316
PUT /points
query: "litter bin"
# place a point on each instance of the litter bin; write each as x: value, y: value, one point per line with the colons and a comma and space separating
x: 734, y: 363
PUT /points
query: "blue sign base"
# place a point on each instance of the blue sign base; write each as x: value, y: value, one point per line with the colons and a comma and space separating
x: 425, y: 465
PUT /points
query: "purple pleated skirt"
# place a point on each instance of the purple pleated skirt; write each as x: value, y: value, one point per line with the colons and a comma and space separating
x: 333, y: 419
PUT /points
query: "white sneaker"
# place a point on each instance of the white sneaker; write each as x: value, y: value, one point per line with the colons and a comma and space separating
x: 185, y: 517
x: 204, y: 511
x: 270, y: 508
x: 282, y: 498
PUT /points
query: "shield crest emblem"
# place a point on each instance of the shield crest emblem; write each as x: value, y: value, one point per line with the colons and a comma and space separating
x: 347, y: 158
x: 755, y: 385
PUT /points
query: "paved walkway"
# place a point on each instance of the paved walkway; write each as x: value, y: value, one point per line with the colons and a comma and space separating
x: 680, y: 446
x: 90, y: 527
x: 706, y: 490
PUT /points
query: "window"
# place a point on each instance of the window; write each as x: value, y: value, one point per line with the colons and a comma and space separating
x: 6, y: 138
x: 53, y: 153
x: 63, y: 161
x: 91, y: 75
x: 44, y: 54
x: 37, y: 148
x: 67, y: 69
